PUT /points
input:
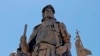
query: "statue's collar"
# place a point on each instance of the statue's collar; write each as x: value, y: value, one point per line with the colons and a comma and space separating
x: 48, y: 19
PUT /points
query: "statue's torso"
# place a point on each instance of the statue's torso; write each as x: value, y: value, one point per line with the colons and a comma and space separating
x: 49, y: 32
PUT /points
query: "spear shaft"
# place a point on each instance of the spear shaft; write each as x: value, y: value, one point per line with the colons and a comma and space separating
x: 25, y: 30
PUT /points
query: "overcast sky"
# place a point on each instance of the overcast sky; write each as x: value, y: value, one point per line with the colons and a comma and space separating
x: 83, y: 15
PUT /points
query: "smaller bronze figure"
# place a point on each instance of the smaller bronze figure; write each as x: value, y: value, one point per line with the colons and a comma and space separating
x: 81, y: 51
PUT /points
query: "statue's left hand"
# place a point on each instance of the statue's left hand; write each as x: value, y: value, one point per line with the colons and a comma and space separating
x: 60, y: 50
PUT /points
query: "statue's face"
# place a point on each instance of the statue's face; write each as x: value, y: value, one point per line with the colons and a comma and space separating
x: 48, y: 13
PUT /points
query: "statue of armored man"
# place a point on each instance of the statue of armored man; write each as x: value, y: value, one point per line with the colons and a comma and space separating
x: 50, y: 38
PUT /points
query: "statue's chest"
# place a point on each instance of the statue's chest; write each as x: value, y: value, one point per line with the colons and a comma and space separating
x: 48, y: 29
x: 50, y: 26
x: 49, y: 32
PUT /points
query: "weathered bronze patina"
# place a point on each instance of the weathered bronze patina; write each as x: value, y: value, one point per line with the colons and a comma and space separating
x: 49, y: 38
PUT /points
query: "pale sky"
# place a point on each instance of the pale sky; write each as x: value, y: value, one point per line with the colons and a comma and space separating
x: 83, y: 15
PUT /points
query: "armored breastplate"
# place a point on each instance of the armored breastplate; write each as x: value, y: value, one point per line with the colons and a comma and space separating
x: 49, y: 33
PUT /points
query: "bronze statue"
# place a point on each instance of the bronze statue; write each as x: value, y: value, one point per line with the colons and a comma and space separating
x: 49, y: 38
